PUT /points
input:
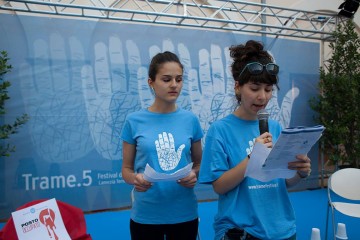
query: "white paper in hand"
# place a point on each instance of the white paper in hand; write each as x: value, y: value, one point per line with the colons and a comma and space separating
x: 152, y: 176
x: 291, y: 142
x: 255, y: 166
x: 269, y: 163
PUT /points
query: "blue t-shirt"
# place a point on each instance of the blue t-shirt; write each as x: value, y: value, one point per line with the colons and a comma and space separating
x: 154, y: 134
x: 263, y: 209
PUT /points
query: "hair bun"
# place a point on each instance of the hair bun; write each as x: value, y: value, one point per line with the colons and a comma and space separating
x: 251, y: 51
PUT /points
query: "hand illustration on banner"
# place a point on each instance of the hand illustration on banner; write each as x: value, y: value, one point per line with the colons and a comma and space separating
x: 282, y: 114
x: 112, y: 88
x: 210, y: 86
x: 116, y: 86
x: 51, y: 89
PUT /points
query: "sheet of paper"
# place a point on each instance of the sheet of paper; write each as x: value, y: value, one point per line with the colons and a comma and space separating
x: 255, y: 166
x: 152, y: 176
x: 270, y: 163
x: 40, y: 221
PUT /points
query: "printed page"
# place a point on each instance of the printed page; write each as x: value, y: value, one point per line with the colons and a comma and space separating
x: 152, y: 176
x: 270, y: 163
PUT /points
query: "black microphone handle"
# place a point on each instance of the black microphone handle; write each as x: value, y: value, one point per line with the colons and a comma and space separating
x: 263, y: 125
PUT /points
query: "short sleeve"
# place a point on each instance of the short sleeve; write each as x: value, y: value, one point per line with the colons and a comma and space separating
x: 126, y: 132
x: 214, y: 159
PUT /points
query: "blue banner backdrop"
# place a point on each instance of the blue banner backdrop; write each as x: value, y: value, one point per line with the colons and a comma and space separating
x: 78, y: 79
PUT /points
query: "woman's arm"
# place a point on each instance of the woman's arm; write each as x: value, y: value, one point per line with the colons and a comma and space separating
x: 128, y: 173
x: 231, y: 178
x: 196, y: 154
x: 128, y: 163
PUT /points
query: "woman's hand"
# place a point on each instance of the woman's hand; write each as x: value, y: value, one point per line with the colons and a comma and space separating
x: 266, y: 139
x: 189, y: 181
x: 140, y: 184
x: 302, y: 165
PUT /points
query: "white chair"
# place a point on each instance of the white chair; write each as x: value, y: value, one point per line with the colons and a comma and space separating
x: 346, y: 184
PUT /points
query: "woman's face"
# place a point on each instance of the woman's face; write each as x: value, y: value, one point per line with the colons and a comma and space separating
x: 168, y: 82
x: 254, y: 96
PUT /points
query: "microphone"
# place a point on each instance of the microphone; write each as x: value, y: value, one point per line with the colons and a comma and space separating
x: 263, y: 116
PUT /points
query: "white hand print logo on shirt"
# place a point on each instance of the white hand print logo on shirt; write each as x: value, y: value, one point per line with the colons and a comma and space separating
x: 251, y: 146
x: 165, y: 148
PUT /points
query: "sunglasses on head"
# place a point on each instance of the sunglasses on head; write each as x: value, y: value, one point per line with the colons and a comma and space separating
x: 256, y: 68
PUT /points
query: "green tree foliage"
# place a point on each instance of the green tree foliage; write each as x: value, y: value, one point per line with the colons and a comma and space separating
x: 6, y: 130
x: 338, y: 104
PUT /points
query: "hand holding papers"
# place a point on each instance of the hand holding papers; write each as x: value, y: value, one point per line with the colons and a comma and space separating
x: 152, y: 176
x: 269, y: 163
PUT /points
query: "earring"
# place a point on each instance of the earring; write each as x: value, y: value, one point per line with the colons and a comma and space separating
x: 152, y: 90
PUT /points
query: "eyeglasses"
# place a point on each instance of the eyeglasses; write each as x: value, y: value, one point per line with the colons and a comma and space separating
x: 256, y: 68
